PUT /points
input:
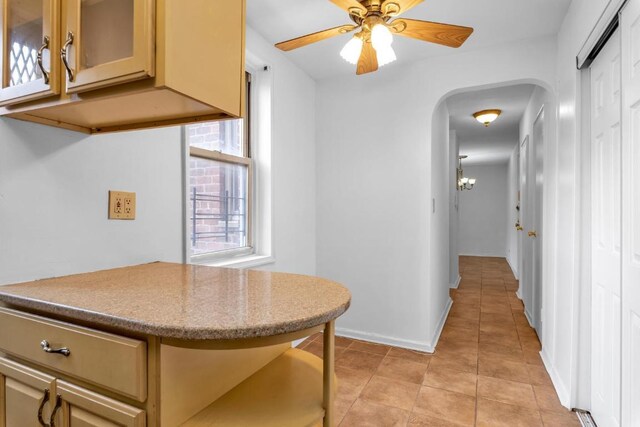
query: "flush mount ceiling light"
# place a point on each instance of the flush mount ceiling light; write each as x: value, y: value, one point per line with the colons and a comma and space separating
x: 486, y: 117
x: 370, y: 47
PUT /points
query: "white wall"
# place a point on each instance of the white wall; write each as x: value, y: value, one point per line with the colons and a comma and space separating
x: 54, y: 184
x: 454, y: 217
x: 483, y: 217
x: 293, y: 159
x: 439, y: 300
x: 54, y: 195
x: 513, y: 215
x: 378, y: 140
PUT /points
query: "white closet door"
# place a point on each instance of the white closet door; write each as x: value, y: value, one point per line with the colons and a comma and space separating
x: 630, y: 25
x: 606, y: 235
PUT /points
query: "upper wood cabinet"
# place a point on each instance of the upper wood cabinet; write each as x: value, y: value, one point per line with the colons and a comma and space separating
x: 111, y: 65
x: 29, y: 36
x: 107, y: 42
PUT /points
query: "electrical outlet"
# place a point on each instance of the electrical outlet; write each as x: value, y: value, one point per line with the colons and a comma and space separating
x: 122, y: 205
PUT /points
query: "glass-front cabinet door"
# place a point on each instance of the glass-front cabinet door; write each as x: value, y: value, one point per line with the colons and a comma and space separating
x: 28, y: 38
x: 107, y: 42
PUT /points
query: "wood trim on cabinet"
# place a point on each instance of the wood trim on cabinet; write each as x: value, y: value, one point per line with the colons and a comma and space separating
x: 244, y: 342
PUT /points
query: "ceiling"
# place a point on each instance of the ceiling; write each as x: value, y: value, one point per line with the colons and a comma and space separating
x: 495, y: 22
x: 493, y: 144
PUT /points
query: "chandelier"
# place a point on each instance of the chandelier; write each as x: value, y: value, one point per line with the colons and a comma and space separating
x: 464, y: 183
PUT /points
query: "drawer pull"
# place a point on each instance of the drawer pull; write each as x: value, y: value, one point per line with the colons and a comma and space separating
x: 45, y: 399
x: 63, y: 351
x: 52, y: 420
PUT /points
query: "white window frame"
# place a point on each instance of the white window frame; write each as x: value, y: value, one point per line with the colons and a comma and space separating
x: 260, y: 225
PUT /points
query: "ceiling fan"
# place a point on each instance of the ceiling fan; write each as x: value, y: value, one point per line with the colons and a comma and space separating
x: 377, y: 21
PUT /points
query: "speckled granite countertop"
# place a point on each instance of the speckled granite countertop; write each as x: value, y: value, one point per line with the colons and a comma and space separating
x: 186, y: 301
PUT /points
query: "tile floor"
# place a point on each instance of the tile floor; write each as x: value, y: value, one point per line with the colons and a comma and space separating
x: 486, y: 370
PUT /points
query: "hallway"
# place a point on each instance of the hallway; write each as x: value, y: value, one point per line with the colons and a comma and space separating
x: 486, y: 370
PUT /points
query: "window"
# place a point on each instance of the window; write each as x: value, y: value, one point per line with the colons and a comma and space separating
x: 219, y: 181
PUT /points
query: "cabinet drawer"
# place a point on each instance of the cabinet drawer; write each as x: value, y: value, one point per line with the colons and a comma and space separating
x: 106, y: 360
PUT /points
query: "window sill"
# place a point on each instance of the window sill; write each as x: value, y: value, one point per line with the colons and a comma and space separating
x: 247, y: 261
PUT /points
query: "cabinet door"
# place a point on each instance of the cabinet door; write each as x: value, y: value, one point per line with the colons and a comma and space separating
x: 26, y: 395
x: 107, y: 42
x: 84, y: 408
x: 29, y: 35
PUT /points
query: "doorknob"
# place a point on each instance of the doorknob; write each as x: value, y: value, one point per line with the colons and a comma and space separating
x: 533, y: 234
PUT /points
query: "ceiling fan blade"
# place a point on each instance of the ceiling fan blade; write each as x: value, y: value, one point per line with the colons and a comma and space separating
x: 351, y: 6
x: 396, y: 7
x: 434, y: 32
x: 315, y: 37
x: 368, y: 61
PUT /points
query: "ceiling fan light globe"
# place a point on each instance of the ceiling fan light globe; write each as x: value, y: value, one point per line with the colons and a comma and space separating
x: 385, y: 55
x: 381, y: 37
x: 351, y: 51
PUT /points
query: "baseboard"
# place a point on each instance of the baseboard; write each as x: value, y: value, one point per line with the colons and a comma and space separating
x: 384, y: 339
x: 298, y: 342
x: 561, y: 390
x: 519, y: 293
x: 528, y: 316
x: 485, y: 255
x: 441, y: 322
x: 455, y: 285
x: 513, y: 270
x: 428, y: 347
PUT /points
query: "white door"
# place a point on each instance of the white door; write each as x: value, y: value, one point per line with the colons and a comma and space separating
x: 606, y: 235
x: 630, y: 25
x: 528, y: 211
x: 536, y: 211
x: 525, y: 220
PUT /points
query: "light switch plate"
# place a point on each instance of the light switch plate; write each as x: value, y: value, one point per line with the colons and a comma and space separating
x: 122, y: 205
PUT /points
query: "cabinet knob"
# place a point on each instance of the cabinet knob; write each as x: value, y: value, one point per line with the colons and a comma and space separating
x: 533, y: 234
x: 47, y: 349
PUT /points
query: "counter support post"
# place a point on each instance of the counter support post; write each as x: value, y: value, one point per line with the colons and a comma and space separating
x: 328, y: 372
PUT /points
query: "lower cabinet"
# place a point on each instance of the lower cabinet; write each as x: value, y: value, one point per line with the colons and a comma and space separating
x: 25, y: 395
x: 30, y: 398
x: 84, y: 408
